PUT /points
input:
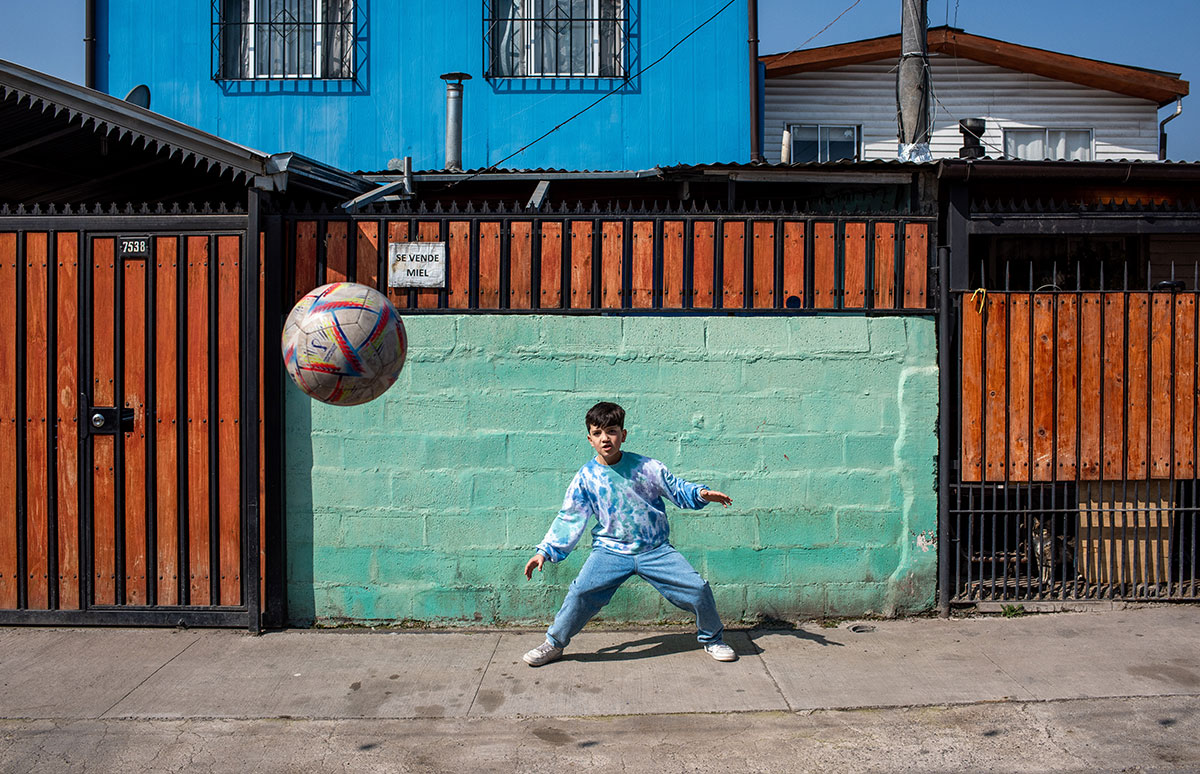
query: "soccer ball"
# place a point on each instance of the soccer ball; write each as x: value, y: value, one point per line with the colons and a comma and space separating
x: 344, y: 344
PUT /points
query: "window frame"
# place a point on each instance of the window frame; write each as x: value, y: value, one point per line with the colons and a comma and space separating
x: 858, y: 141
x: 533, y: 41
x: 251, y: 29
x: 1045, y: 130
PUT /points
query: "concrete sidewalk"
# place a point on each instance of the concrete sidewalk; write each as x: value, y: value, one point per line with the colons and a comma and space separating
x: 103, y: 674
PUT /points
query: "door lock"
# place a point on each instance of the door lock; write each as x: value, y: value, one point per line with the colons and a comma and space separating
x: 105, y: 420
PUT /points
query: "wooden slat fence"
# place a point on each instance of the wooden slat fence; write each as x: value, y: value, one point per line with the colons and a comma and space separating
x: 1078, y: 386
x: 574, y: 264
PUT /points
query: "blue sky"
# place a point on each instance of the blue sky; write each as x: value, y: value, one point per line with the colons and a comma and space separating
x: 1159, y: 34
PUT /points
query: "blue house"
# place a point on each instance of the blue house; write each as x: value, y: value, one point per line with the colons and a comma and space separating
x: 357, y: 83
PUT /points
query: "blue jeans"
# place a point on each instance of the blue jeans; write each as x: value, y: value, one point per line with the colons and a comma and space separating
x: 664, y: 568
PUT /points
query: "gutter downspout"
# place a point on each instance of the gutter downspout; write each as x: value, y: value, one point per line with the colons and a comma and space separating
x: 89, y: 44
x: 1162, y: 129
x: 755, y: 149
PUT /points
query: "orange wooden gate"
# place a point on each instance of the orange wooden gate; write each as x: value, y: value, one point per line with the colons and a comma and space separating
x: 125, y: 449
x: 1077, y: 415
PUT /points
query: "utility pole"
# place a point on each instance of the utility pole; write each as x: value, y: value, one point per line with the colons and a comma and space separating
x: 912, y: 92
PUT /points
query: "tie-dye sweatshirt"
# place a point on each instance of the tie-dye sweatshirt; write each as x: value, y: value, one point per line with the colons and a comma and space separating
x: 627, y: 500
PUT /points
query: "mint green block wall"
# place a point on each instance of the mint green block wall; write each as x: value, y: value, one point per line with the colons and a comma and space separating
x: 423, y: 506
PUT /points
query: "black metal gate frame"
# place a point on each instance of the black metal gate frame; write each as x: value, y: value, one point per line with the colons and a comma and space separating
x: 951, y: 272
x: 248, y: 613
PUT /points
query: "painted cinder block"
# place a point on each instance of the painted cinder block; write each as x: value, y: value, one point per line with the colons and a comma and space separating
x: 797, y: 528
x: 802, y: 451
x: 869, y: 450
x: 746, y: 336
x: 656, y: 337
x: 786, y: 603
x: 834, y: 489
x: 869, y: 527
x: 397, y: 529
x: 827, y: 335
x: 719, y: 530
x: 746, y: 566
x: 475, y: 459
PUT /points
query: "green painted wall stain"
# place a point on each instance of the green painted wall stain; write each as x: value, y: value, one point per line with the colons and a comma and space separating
x: 424, y: 504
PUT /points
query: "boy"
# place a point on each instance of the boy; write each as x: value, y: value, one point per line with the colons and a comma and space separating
x: 625, y: 492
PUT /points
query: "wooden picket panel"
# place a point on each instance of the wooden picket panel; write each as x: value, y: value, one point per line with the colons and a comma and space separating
x: 1042, y: 389
x: 1018, y: 389
x: 306, y: 258
x: 916, y: 264
x: 611, y: 262
x: 197, y: 424
x: 1112, y: 384
x: 673, y: 260
x: 703, y: 240
x: 431, y: 231
x: 1091, y: 360
x: 551, y: 266
x: 520, y: 265
x: 971, y: 395
x: 337, y: 267
x: 764, y: 265
x: 397, y: 231
x: 642, y: 271
x: 996, y: 382
x: 104, y: 505
x: 489, y: 265
x: 854, y: 281
x: 1066, y: 371
x: 1161, y: 365
x: 366, y: 254
x: 1185, y: 385
x: 37, y: 493
x: 458, y: 258
x: 67, y: 422
x: 824, y: 265
x: 733, y: 265
x: 793, y: 263
x: 134, y: 443
x: 885, y: 265
x: 167, y: 426
x: 229, y: 372
x: 581, y: 265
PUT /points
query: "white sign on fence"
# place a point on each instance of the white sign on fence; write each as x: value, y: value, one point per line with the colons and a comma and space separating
x: 417, y: 264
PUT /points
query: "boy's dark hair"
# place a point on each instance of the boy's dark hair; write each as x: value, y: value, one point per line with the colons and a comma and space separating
x: 605, y: 414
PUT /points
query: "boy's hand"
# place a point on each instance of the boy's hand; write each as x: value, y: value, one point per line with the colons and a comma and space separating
x: 713, y: 496
x: 537, y: 561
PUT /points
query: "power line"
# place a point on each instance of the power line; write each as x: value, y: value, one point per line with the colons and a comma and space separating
x: 603, y: 97
x: 818, y: 32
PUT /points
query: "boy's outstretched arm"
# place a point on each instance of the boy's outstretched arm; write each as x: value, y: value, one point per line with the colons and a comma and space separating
x: 536, y: 562
x: 713, y: 496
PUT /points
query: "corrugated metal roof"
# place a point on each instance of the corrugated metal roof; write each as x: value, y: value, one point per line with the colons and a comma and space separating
x: 62, y: 142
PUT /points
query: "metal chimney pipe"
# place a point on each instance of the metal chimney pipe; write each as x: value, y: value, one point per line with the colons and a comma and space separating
x: 454, y: 92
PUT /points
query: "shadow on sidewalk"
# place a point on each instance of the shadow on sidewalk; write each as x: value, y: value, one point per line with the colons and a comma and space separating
x: 647, y: 647
x: 799, y: 634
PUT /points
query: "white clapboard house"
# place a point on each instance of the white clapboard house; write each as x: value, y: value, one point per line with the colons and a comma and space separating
x: 839, y: 102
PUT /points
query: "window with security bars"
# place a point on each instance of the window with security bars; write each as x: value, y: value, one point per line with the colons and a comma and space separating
x: 283, y: 39
x: 555, y: 38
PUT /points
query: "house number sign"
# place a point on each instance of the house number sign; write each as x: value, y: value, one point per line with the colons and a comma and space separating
x: 133, y: 247
x: 417, y: 264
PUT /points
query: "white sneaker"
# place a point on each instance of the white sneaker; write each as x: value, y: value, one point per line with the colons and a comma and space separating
x: 720, y: 651
x: 544, y: 654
